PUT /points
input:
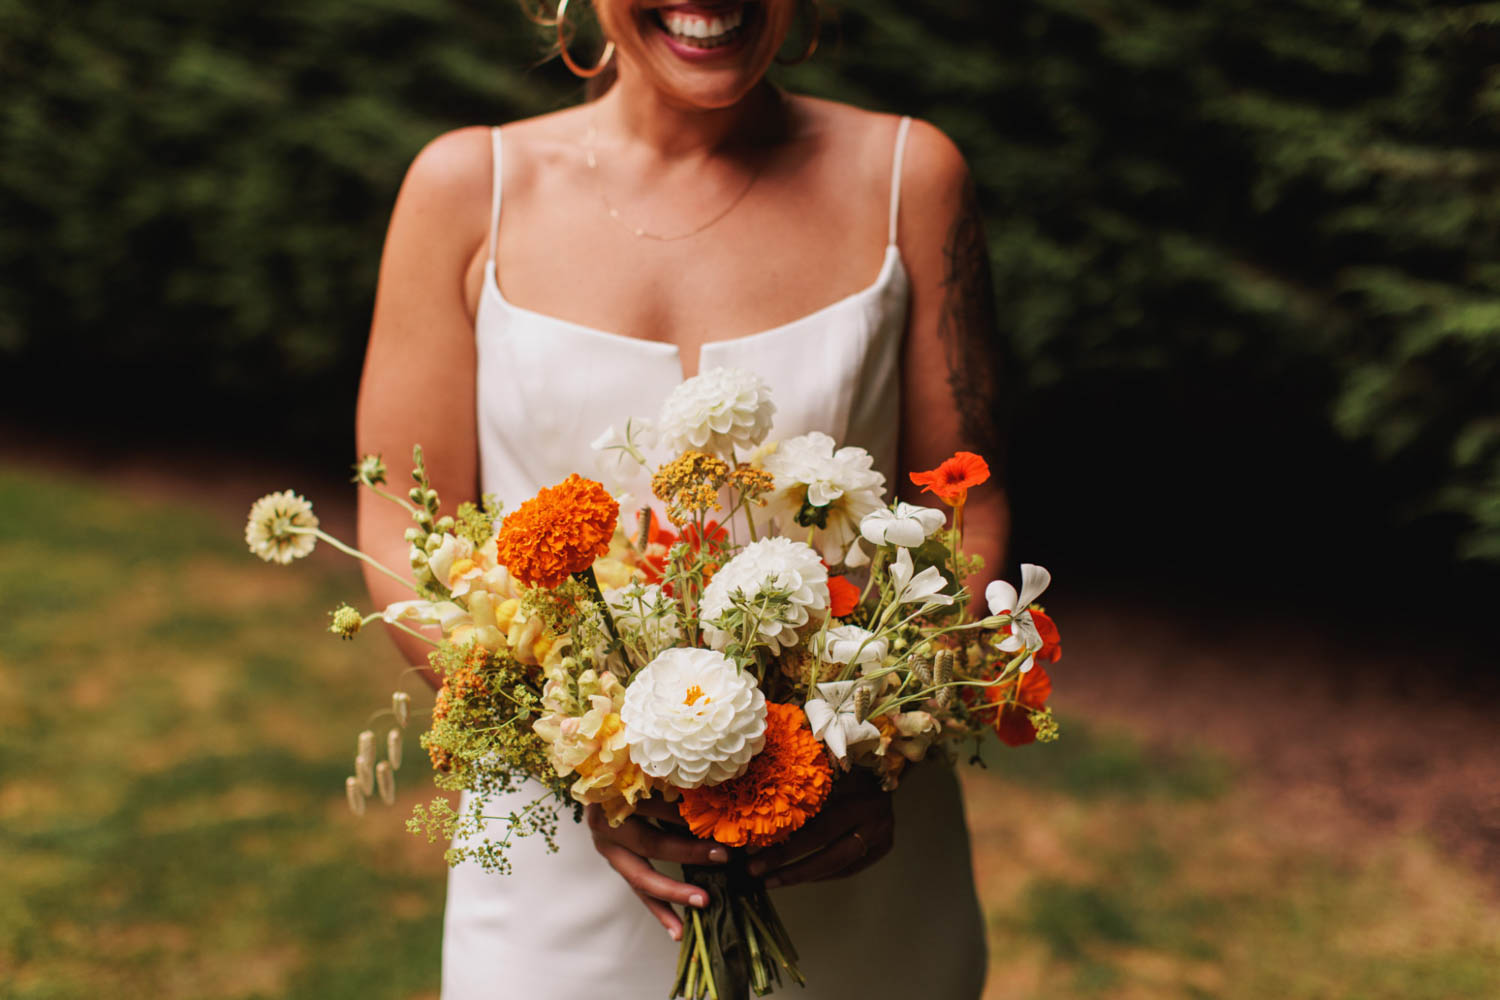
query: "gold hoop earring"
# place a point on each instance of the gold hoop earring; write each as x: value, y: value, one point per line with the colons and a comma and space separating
x: 812, y: 36
x: 562, y: 47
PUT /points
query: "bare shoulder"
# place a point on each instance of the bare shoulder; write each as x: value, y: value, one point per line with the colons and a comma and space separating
x: 453, y: 167
x: 536, y: 148
x: 934, y: 175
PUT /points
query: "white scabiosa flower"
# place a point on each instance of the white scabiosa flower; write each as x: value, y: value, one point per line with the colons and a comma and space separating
x: 693, y: 718
x: 825, y: 488
x: 908, y: 525
x: 771, y: 565
x: 717, y: 411
x: 852, y: 644
x: 268, y: 529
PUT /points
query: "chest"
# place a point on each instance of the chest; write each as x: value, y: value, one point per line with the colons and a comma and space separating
x: 781, y: 254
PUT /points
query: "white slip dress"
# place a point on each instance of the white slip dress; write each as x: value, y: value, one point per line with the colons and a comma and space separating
x: 564, y: 925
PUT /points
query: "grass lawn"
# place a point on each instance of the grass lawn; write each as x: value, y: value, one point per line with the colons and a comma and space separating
x: 175, y: 728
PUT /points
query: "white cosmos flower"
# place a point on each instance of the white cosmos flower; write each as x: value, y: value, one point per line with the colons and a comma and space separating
x: 693, y: 718
x: 717, y: 411
x: 778, y: 563
x: 852, y: 644
x: 922, y: 588
x: 834, y: 720
x: 907, y: 526
x: 828, y: 489
x: 1003, y: 599
x: 266, y: 529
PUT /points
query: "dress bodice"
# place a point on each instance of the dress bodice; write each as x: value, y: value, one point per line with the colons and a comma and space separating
x: 546, y: 387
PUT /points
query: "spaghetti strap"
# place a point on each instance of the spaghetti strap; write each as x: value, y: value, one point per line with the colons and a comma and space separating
x: 494, y: 196
x: 895, y: 177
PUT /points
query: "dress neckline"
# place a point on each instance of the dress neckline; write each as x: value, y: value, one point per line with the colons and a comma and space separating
x: 888, y: 269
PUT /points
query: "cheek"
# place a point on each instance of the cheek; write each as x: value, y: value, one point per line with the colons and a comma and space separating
x: 616, y: 17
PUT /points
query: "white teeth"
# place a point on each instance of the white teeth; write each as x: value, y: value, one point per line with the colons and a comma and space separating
x: 712, y: 31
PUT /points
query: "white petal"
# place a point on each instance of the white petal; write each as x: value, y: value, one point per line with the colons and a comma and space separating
x: 834, y: 737
x: 1034, y: 581
x: 819, y: 715
x: 1001, y: 597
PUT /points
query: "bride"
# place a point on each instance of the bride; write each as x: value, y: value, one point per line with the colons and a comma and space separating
x: 544, y: 280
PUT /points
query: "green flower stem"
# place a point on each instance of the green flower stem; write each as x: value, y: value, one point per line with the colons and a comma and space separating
x: 587, y: 578
x: 702, y: 948
x: 392, y: 498
x: 876, y: 564
x: 894, y: 703
x: 347, y: 550
x: 413, y: 632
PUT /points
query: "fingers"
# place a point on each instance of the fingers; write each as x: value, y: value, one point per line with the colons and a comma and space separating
x: 660, y: 809
x: 646, y: 840
x: 834, y: 821
x: 646, y: 880
x: 664, y: 914
x: 851, y: 853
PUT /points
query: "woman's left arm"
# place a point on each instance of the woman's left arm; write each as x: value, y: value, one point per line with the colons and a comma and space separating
x: 951, y: 367
x: 952, y: 362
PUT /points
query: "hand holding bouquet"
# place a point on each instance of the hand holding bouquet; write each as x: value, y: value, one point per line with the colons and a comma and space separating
x: 782, y: 630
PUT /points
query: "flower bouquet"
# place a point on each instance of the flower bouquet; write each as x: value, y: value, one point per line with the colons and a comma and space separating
x: 778, y: 627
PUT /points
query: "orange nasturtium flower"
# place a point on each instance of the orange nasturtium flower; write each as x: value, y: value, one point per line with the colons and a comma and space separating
x: 951, y: 480
x: 784, y: 787
x: 843, y: 596
x: 558, y: 532
x: 1013, y: 720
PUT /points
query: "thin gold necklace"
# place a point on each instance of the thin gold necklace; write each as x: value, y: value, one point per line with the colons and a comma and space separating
x: 614, y: 213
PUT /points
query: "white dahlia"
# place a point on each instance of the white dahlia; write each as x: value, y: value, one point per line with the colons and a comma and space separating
x: 829, y: 490
x: 693, y: 718
x: 716, y: 411
x: 268, y: 530
x: 787, y: 576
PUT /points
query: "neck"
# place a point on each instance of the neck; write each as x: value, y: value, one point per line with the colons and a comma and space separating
x: 640, y: 114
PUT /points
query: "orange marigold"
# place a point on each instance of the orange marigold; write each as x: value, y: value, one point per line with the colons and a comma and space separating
x: 558, y: 532
x: 784, y: 787
x: 951, y: 480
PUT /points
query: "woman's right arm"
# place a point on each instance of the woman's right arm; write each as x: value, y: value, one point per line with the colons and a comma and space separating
x: 418, y: 381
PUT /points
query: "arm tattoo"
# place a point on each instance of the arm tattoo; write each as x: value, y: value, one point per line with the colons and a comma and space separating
x: 967, y: 327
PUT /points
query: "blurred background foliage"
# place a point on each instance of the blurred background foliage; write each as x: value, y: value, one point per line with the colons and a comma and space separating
x: 1247, y: 252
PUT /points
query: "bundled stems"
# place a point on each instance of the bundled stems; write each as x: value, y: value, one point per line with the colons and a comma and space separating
x: 737, y: 944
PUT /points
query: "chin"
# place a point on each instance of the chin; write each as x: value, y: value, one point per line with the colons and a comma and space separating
x: 709, y: 53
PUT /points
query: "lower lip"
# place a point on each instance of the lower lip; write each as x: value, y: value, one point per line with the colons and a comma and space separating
x: 694, y: 54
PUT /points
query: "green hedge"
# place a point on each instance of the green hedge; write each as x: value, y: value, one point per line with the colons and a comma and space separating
x: 1300, y: 192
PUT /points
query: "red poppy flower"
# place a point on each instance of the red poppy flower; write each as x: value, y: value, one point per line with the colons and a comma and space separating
x: 843, y: 596
x: 1051, y: 650
x: 951, y: 480
x: 1013, y: 722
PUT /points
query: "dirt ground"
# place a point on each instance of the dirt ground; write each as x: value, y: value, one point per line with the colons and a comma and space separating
x: 1352, y: 735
